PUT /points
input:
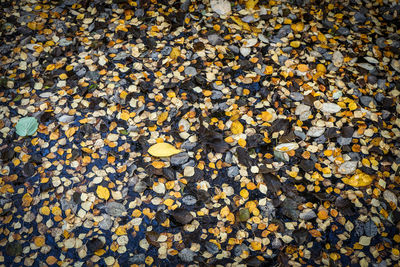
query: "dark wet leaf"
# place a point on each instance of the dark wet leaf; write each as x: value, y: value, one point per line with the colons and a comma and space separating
x: 243, y: 157
x: 161, y: 216
x: 181, y: 216
x: 243, y: 215
x: 28, y: 170
x: 212, y: 139
x: 300, y: 236
x: 306, y: 165
x: 7, y: 154
x: 370, y: 229
x: 169, y: 173
x: 252, y: 261
x: 152, y: 238
x: 279, y: 125
x: 289, y: 209
x: 273, y: 182
x: 94, y: 244
x: 14, y: 249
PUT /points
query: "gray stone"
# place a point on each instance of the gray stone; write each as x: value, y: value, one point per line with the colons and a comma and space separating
x: 137, y: 259
x: 348, y: 167
x: 360, y: 17
x: 300, y: 134
x: 187, y: 145
x: 343, y: 31
x: 296, y: 96
x: 93, y: 75
x: 121, y: 56
x: 238, y: 250
x: 284, y: 31
x: 140, y: 187
x: 64, y: 42
x: 81, y: 72
x: 234, y: 49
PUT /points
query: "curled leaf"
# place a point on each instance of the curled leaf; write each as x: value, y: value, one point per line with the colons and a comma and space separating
x: 163, y: 150
x: 27, y: 126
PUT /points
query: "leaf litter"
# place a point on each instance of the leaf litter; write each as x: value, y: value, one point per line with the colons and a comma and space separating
x: 206, y: 133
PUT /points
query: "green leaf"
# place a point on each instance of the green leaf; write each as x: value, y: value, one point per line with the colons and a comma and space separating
x: 27, y: 126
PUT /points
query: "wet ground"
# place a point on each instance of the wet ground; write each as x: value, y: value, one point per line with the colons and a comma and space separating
x: 166, y: 133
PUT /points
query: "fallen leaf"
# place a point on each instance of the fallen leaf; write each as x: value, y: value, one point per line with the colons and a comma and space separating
x: 103, y: 192
x: 358, y: 180
x: 250, y: 4
x: 237, y: 127
x: 163, y: 150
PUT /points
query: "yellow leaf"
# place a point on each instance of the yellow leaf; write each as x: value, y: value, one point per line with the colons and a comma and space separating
x: 298, y: 27
x: 26, y: 200
x: 103, y: 192
x: 237, y: 127
x: 163, y: 116
x: 39, y: 241
x: 295, y: 44
x: 239, y: 22
x: 120, y: 230
x: 322, y: 38
x: 50, y: 67
x: 244, y: 193
x: 321, y: 68
x: 224, y: 211
x: 352, y: 106
x: 63, y: 76
x: 250, y: 4
x: 45, y: 210
x: 302, y: 67
x: 266, y: 116
x: 175, y: 53
x: 70, y: 132
x: 163, y: 150
x: 268, y: 70
x: 255, y: 245
x: 358, y: 180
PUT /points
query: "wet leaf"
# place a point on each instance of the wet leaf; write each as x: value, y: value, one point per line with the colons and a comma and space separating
x: 27, y: 126
x: 163, y: 150
x: 103, y: 192
x: 181, y: 216
x: 358, y: 180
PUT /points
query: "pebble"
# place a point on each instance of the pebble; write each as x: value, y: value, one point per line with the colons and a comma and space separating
x: 221, y: 7
x: 344, y: 141
x: 211, y: 248
x: 215, y: 39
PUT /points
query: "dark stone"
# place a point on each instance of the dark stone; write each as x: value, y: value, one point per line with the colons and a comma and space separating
x: 307, y: 165
x: 347, y: 131
x: 28, y: 170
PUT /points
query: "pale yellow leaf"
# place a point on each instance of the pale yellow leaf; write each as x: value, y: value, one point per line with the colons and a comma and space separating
x: 163, y: 150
